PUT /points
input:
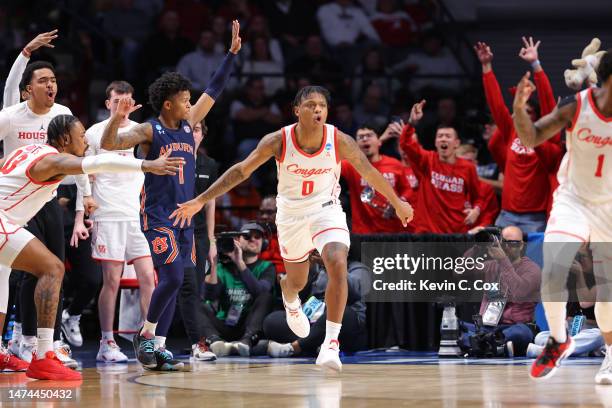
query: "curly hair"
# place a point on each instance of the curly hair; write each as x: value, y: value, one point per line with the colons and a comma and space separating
x: 58, y: 127
x: 306, y: 91
x: 165, y: 87
x: 604, y: 70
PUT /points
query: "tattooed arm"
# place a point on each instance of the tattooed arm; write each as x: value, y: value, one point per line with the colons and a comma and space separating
x: 269, y: 146
x: 141, y: 133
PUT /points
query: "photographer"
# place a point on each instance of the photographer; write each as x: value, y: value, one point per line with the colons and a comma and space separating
x: 242, y: 284
x: 505, y: 314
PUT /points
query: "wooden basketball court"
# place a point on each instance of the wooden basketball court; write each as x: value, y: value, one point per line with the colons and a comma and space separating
x: 372, y: 381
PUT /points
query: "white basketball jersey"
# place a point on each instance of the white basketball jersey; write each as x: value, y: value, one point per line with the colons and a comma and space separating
x: 588, y: 170
x: 308, y: 182
x: 20, y: 196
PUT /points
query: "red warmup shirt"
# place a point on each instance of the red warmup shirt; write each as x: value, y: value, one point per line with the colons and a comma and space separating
x: 490, y: 209
x: 445, y: 190
x: 272, y: 254
x: 367, y: 219
x: 413, y: 182
x: 526, y: 179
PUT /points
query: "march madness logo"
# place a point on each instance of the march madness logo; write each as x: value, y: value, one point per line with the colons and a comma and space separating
x: 160, y: 245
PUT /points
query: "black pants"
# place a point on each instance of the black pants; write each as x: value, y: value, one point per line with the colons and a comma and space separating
x: 48, y: 226
x: 190, y: 296
x: 353, y: 336
x: 84, y: 277
x: 248, y: 326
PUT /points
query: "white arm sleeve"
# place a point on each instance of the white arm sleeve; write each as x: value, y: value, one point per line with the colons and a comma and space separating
x: 110, y: 163
x: 78, y: 204
x: 83, y: 185
x: 12, y: 95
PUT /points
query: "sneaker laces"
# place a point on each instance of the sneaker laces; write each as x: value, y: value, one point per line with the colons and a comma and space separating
x: 112, y: 344
x: 164, y: 353
x: 147, y: 345
x: 202, y: 347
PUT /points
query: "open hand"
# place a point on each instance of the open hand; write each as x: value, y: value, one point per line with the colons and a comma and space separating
x: 164, y: 165
x: 41, y: 40
x: 529, y: 52
x: 484, y: 53
x: 126, y: 106
x: 236, y: 40
x: 184, y: 213
x: 524, y: 89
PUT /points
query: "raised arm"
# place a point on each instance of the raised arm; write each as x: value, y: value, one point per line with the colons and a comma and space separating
x: 533, y: 134
x: 269, y: 146
x: 141, y: 133
x: 218, y: 80
x: 349, y: 151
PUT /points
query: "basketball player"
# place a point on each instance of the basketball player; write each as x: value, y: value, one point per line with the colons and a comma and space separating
x: 29, y: 178
x: 582, y: 208
x: 21, y: 125
x: 171, y: 248
x: 309, y: 215
x: 117, y: 237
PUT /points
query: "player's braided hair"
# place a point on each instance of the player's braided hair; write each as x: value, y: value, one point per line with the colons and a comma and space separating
x: 604, y: 70
x: 165, y: 87
x: 58, y: 127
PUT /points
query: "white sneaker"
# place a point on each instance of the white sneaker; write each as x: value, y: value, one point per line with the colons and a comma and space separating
x: 71, y: 329
x: 242, y: 348
x: 604, y: 375
x: 201, y: 352
x: 221, y: 348
x: 110, y: 352
x: 64, y: 354
x: 13, y: 347
x: 329, y: 356
x: 533, y: 350
x: 280, y: 350
x: 26, y: 350
x: 297, y: 320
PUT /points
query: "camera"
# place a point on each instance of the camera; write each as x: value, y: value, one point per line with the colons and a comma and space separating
x: 225, y: 244
x: 485, y: 239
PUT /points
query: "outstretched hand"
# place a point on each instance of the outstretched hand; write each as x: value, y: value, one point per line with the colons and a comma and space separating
x: 524, y: 89
x: 41, y: 40
x: 164, y: 165
x: 529, y: 52
x: 484, y: 53
x: 126, y: 106
x: 236, y: 40
x: 184, y: 213
x: 416, y: 113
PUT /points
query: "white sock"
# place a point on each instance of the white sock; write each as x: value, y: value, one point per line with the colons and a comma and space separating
x: 160, y: 342
x: 292, y: 305
x: 16, y: 332
x: 555, y: 316
x: 108, y: 335
x: 28, y: 339
x: 45, y: 342
x: 149, y: 327
x: 332, y: 331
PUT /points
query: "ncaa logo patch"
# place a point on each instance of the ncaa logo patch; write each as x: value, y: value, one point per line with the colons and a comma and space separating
x: 158, y: 127
x: 160, y: 245
x: 187, y: 129
x: 328, y: 146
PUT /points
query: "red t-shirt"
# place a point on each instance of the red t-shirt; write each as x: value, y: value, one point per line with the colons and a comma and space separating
x: 413, y: 182
x: 490, y: 209
x: 445, y: 190
x: 526, y: 180
x: 272, y: 254
x: 367, y: 219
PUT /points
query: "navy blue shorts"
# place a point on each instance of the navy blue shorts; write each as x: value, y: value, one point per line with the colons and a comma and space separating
x: 169, y: 245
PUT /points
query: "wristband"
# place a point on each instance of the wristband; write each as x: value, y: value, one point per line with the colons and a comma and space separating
x: 535, y: 64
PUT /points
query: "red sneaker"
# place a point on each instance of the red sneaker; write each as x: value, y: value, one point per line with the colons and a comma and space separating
x: 50, y: 368
x: 9, y: 362
x: 550, y: 358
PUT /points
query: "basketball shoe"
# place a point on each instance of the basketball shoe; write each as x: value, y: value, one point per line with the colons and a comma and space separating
x: 71, y: 329
x: 221, y: 348
x: 145, y: 350
x: 26, y: 350
x: 604, y: 375
x: 297, y: 320
x: 110, y: 352
x: 64, y: 354
x: 9, y: 362
x: 13, y: 346
x: 329, y: 356
x: 51, y: 368
x: 201, y: 352
x: 165, y: 361
x: 550, y: 358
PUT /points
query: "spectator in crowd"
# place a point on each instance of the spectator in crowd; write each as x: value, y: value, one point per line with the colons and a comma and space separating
x: 259, y: 28
x: 445, y: 115
x: 191, y: 293
x: 372, y: 70
x: 449, y: 199
x: 163, y: 50
x: 343, y: 117
x: 222, y: 33
x: 253, y: 116
x: 488, y: 169
x: 315, y: 65
x: 198, y: 66
x: 371, y: 212
x: 193, y: 15
x: 435, y: 59
x: 490, y: 208
x: 519, y: 279
x: 353, y: 337
x: 238, y: 205
x: 372, y: 108
x: 526, y: 188
x: 242, y: 283
x: 291, y: 21
x: 260, y: 62
x: 344, y: 24
x: 394, y: 27
x: 267, y: 217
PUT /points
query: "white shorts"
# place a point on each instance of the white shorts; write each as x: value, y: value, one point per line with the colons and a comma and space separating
x: 118, y: 241
x: 299, y: 235
x: 575, y: 218
x: 13, y: 239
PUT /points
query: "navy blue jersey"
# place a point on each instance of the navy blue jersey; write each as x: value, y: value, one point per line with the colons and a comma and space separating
x: 161, y: 194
